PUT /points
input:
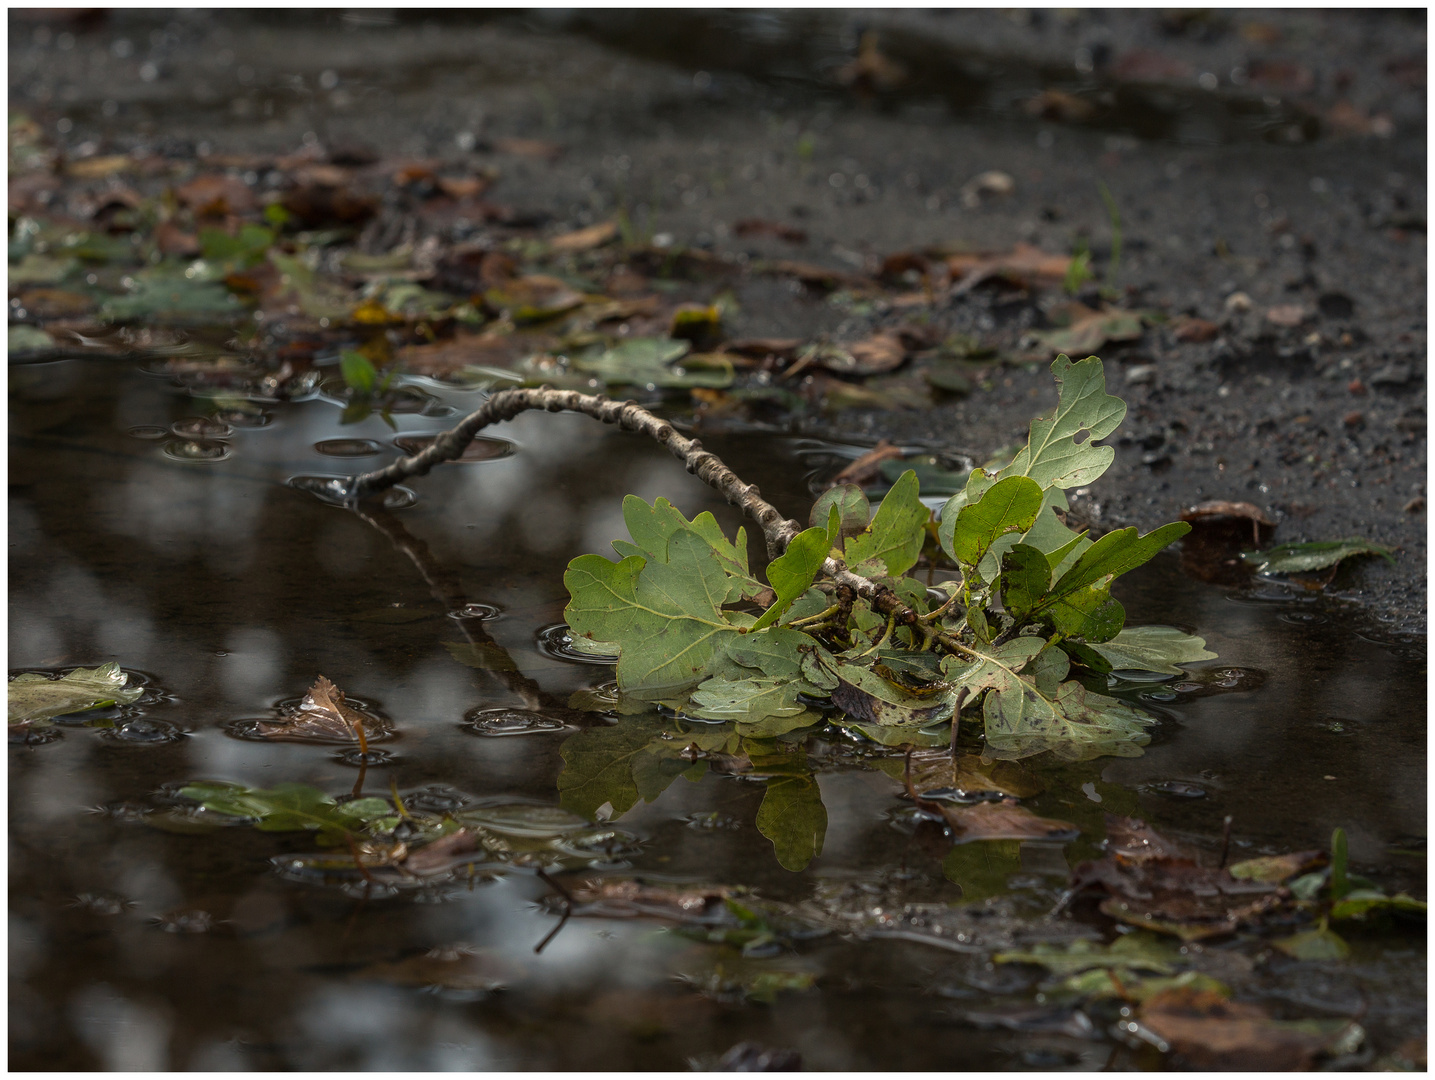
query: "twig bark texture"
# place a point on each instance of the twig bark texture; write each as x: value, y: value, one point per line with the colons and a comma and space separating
x: 777, y: 530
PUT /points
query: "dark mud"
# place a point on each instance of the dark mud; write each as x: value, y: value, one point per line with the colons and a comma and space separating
x: 1258, y: 161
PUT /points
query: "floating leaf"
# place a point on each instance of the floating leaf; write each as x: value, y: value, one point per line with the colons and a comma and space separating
x: 35, y: 697
x: 1212, y: 1032
x: 1322, y: 943
x: 294, y: 808
x: 648, y: 362
x: 1360, y: 903
x: 1153, y: 648
x: 323, y: 717
x: 896, y: 535
x: 1137, y: 951
x: 1317, y: 555
x: 533, y: 298
x: 1004, y: 820
x: 1275, y: 869
x: 748, y: 700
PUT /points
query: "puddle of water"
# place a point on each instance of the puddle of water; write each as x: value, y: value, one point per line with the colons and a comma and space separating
x: 240, y: 948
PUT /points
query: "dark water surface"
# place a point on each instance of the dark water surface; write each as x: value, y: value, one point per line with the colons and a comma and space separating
x: 188, y: 560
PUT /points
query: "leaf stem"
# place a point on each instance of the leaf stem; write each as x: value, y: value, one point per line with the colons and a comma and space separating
x: 819, y: 617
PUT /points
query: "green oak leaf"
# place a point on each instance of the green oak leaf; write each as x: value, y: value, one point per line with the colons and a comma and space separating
x: 853, y: 510
x: 792, y: 573
x: 651, y: 527
x: 1316, y: 555
x: 1153, y: 648
x: 896, y: 534
x: 1009, y: 505
x: 1091, y: 614
x: 598, y: 765
x: 34, y: 697
x: 665, y: 616
x: 867, y: 697
x: 776, y: 652
x: 1052, y: 456
x: 1116, y: 553
x: 1026, y: 575
x: 1026, y: 715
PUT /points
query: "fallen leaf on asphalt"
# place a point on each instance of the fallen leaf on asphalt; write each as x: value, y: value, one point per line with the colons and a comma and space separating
x: 1287, y: 315
x: 593, y: 236
x: 217, y: 196
x: 531, y: 298
x: 763, y: 227
x: 1191, y: 329
x: 1212, y: 1032
x: 1088, y: 330
x: 1022, y: 264
x: 867, y: 467
x: 1221, y: 511
x: 443, y: 358
x: 322, y: 717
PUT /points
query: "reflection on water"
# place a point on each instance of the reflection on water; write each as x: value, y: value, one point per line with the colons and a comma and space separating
x: 140, y: 949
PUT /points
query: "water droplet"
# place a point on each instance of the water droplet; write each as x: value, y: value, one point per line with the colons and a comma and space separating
x: 357, y: 757
x: 475, y: 611
x: 244, y: 418
x: 606, y: 844
x: 510, y: 722
x: 437, y: 799
x: 347, y: 448
x: 148, y: 431
x: 1176, y: 789
x: 398, y: 498
x: 334, y: 490
x: 557, y: 642
x: 196, y: 450
x: 201, y: 427
x: 482, y: 448
x: 144, y: 732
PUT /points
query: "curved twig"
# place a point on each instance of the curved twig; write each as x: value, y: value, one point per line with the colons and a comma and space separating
x: 777, y: 530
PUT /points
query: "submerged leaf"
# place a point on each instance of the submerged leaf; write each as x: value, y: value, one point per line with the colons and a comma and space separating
x: 1153, y: 648
x: 1004, y: 820
x: 1317, y: 555
x: 292, y: 807
x: 34, y: 697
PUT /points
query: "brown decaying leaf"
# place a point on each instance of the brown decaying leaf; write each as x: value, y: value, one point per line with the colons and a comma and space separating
x: 317, y: 206
x: 585, y: 239
x: 1221, y: 508
x: 1150, y: 882
x: 627, y: 899
x: 762, y: 348
x: 1023, y: 263
x: 444, y: 853
x: 763, y: 227
x: 1004, y: 820
x: 1212, y: 1032
x: 172, y: 240
x: 1191, y: 329
x: 323, y: 717
x: 217, y: 196
x: 867, y: 467
x: 464, y: 350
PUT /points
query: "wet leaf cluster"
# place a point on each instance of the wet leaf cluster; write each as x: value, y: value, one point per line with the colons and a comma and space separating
x: 695, y: 630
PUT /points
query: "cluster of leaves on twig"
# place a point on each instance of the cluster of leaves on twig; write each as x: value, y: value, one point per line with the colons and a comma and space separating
x: 694, y: 629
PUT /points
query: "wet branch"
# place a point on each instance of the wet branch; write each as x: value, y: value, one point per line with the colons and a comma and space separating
x: 777, y: 530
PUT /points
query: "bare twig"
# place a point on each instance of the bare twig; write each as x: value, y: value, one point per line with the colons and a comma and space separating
x: 777, y: 530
